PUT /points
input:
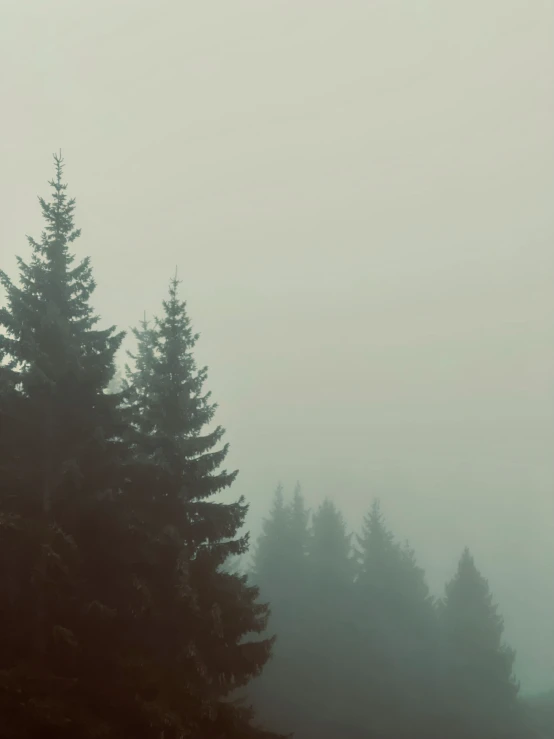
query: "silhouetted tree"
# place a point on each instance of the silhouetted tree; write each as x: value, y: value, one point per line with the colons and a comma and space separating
x: 396, y: 624
x: 479, y: 686
x: 267, y: 564
x: 201, y: 611
x: 280, y: 562
x: 331, y: 565
x: 60, y: 452
x: 329, y: 619
x: 363, y: 650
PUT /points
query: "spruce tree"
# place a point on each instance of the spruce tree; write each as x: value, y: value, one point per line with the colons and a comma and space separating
x: 396, y: 622
x: 479, y: 686
x: 109, y: 622
x: 330, y: 617
x: 330, y: 546
x: 201, y: 612
x: 371, y: 641
x: 280, y: 568
x: 280, y: 562
x: 61, y: 362
x: 267, y: 566
x: 60, y: 454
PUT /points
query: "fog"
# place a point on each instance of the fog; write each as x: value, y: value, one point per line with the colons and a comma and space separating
x: 358, y: 197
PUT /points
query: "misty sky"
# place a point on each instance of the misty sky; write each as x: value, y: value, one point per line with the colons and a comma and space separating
x: 359, y: 196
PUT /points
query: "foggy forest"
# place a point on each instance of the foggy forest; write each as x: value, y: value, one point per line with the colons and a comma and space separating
x: 277, y: 370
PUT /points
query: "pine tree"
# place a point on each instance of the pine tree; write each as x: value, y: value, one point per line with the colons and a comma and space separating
x: 281, y: 555
x: 201, y: 612
x: 280, y: 568
x: 63, y: 363
x: 267, y: 566
x: 60, y: 452
x: 331, y: 565
x: 396, y: 622
x: 377, y: 553
x: 330, y: 604
x: 480, y: 688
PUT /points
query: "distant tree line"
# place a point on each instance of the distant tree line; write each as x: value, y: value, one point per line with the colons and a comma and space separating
x: 364, y: 650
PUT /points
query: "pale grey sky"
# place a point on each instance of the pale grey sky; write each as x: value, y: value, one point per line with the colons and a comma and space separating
x: 359, y: 196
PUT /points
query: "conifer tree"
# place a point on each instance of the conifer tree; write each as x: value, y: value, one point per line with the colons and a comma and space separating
x: 267, y: 565
x: 377, y: 553
x: 62, y: 362
x: 280, y: 568
x: 201, y: 612
x: 479, y: 685
x: 60, y: 453
x: 396, y: 621
x: 280, y: 562
x: 330, y: 558
x: 329, y: 622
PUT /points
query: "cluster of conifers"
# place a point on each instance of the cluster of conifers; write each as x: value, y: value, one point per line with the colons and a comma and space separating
x: 364, y: 650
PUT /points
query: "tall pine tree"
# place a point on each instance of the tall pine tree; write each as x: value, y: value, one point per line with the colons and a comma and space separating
x: 62, y: 362
x: 61, y: 452
x: 202, y: 612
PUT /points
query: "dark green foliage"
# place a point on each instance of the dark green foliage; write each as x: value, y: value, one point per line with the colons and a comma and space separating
x: 201, y: 611
x: 61, y: 362
x: 60, y: 453
x: 117, y: 617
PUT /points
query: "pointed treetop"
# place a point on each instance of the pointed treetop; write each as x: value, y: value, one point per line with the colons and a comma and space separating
x: 172, y: 411
x: 279, y: 517
x: 49, y: 321
x: 468, y: 592
x: 330, y: 543
x: 374, y: 530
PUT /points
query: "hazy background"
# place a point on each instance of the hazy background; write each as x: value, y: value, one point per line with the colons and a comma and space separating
x: 360, y: 199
